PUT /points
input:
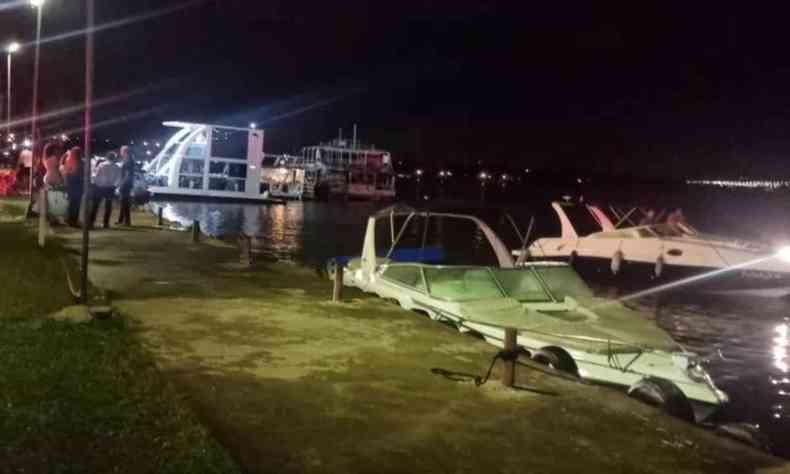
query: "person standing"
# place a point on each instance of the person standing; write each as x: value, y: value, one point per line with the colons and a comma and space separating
x: 72, y: 174
x: 126, y: 185
x: 107, y: 175
x: 52, y: 177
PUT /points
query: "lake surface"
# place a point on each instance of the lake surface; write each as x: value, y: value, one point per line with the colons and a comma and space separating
x: 752, y: 334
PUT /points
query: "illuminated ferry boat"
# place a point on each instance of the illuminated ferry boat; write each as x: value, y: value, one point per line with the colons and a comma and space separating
x: 341, y: 168
x: 608, y: 242
x: 208, y: 161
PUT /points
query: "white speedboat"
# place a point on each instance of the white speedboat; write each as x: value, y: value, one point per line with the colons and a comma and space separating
x: 558, y: 320
x: 662, y: 255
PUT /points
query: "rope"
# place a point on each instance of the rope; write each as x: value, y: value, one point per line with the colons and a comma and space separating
x: 504, y: 355
x: 74, y: 292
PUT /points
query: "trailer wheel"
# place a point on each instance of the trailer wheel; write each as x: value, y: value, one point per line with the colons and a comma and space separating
x: 663, y: 394
x: 556, y: 358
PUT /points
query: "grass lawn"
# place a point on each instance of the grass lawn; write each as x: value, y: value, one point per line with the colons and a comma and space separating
x: 82, y: 397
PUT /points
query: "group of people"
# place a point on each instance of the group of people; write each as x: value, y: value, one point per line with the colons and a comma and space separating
x: 675, y: 217
x: 66, y: 171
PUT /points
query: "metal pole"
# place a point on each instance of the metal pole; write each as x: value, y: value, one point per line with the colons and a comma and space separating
x: 8, y: 93
x: 35, y: 98
x: 509, y: 376
x: 42, y: 217
x: 87, y: 160
x: 337, y: 290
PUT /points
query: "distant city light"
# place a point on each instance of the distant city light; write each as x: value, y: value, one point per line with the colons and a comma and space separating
x: 741, y: 183
x: 64, y: 137
x: 145, y: 143
x: 483, y: 176
x: 418, y: 172
x: 527, y: 170
x: 579, y: 180
x: 12, y: 47
x: 27, y: 143
x: 158, y: 145
x: 253, y: 125
x: 445, y: 173
x: 148, y: 152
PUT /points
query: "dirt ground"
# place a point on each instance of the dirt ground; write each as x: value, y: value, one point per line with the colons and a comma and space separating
x: 290, y: 382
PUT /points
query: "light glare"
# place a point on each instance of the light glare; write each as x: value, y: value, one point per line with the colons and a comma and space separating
x: 784, y: 253
x: 12, y: 47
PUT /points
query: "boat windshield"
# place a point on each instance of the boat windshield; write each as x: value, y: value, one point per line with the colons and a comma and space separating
x: 522, y: 285
x: 563, y: 281
x: 667, y: 230
x: 460, y: 284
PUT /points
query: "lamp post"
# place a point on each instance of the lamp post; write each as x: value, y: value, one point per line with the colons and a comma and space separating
x: 38, y: 5
x: 90, y: 15
x: 12, y: 48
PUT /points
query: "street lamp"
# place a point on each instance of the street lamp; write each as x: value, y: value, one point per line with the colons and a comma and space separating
x: 11, y: 49
x: 39, y: 6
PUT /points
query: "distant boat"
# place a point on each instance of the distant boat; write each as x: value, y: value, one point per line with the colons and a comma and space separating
x: 208, y: 161
x: 340, y: 168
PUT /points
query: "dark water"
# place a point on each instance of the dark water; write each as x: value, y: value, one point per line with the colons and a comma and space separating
x: 752, y: 334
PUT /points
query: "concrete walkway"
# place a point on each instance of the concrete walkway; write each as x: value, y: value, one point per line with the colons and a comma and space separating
x: 289, y: 382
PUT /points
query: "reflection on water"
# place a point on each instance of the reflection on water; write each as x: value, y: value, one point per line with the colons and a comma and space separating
x: 745, y: 340
x: 309, y: 232
x: 780, y: 348
x: 750, y: 334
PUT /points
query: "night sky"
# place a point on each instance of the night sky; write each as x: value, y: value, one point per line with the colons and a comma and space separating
x: 654, y: 91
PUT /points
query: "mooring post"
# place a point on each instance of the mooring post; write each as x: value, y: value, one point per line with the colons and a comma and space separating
x: 337, y: 291
x: 42, y: 217
x: 245, y: 249
x: 196, y: 231
x: 159, y: 219
x: 509, y: 375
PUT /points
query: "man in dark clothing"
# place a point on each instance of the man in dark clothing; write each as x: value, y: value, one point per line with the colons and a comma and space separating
x: 106, y: 177
x: 126, y: 185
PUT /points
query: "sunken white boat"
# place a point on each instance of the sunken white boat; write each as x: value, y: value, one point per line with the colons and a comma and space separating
x: 605, y: 242
x: 558, y: 319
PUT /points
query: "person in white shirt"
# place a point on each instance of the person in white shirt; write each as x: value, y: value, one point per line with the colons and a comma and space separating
x: 106, y: 176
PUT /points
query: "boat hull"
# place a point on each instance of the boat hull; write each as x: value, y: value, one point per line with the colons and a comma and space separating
x: 638, y: 276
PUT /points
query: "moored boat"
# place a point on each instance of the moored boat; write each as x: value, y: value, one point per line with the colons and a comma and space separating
x: 339, y: 169
x: 603, y: 242
x: 208, y: 161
